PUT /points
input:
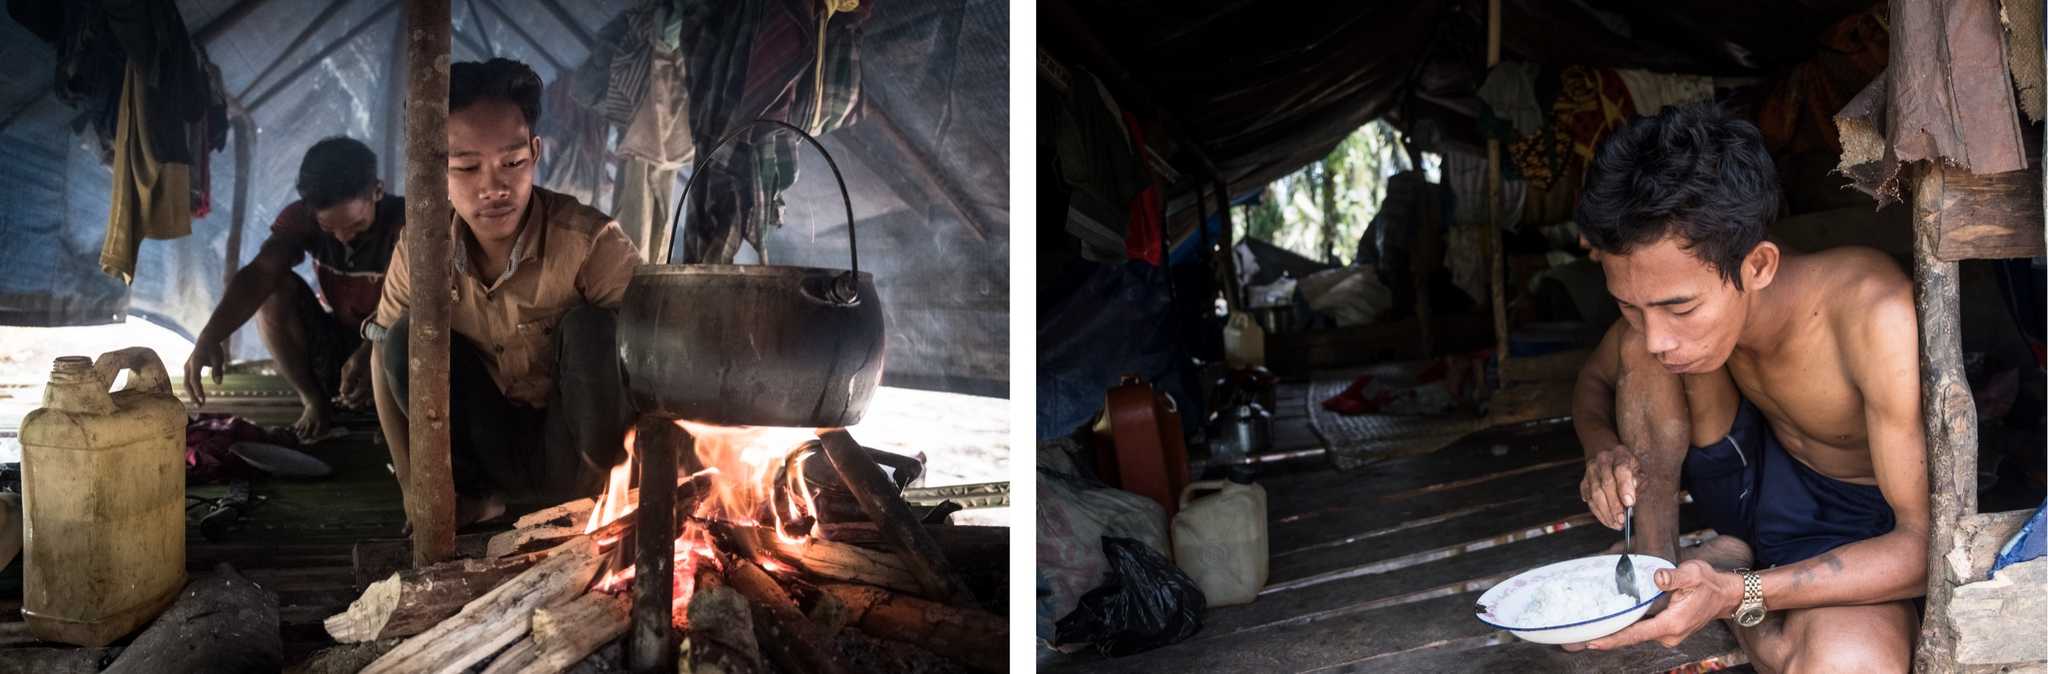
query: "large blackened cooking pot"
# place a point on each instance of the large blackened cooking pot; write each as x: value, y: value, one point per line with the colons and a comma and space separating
x: 758, y: 345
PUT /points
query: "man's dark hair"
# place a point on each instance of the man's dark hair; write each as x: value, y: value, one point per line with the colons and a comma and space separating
x: 336, y: 169
x: 1693, y: 171
x: 497, y: 79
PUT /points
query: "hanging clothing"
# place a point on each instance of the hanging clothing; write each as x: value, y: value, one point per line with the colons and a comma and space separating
x: 1465, y: 175
x: 1096, y: 159
x: 1510, y: 95
x: 641, y: 204
x: 652, y: 148
x: 1652, y: 91
x: 151, y: 198
x: 576, y: 153
x: 791, y: 60
x: 1145, y: 238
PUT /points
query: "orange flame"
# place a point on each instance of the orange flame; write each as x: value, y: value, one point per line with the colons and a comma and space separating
x: 613, y: 503
x: 759, y: 460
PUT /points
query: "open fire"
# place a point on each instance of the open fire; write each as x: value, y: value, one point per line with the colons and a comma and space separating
x: 783, y: 539
x: 754, y: 477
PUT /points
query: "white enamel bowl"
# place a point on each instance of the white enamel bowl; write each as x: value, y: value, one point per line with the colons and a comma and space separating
x: 1502, y: 605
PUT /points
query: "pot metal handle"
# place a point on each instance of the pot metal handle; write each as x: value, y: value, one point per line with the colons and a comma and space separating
x: 846, y: 290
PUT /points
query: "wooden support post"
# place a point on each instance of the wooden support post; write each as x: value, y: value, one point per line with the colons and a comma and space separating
x: 238, y: 209
x: 1951, y: 418
x: 394, y: 108
x: 1495, y: 256
x: 877, y: 497
x: 649, y: 647
x: 1231, y: 295
x: 787, y: 637
x: 430, y: 496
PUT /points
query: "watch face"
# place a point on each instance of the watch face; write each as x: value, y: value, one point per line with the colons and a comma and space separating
x: 1750, y: 617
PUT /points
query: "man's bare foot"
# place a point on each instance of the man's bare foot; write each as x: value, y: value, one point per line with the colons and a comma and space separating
x: 314, y: 423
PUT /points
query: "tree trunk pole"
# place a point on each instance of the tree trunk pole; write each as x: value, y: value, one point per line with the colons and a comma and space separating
x: 1232, y: 298
x: 649, y: 646
x: 1951, y: 418
x: 430, y: 498
x: 1495, y: 255
x: 238, y: 214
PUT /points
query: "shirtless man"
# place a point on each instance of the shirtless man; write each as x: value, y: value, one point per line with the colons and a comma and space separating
x: 1782, y: 389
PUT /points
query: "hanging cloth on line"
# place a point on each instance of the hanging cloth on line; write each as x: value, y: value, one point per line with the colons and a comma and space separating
x: 152, y: 199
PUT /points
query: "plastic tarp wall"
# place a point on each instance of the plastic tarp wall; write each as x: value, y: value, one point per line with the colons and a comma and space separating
x: 931, y: 188
x: 54, y: 198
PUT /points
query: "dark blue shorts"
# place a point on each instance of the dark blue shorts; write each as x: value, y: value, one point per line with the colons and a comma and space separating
x: 1746, y: 486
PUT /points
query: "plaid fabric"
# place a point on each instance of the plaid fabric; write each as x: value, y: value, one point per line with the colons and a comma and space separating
x: 782, y: 82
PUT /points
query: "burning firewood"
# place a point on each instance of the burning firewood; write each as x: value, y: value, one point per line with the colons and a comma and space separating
x: 964, y: 545
x: 789, y: 638
x: 515, y: 658
x: 564, y: 635
x: 878, y: 497
x: 720, y: 639
x: 519, y: 540
x: 411, y: 601
x: 963, y: 633
x: 498, y: 618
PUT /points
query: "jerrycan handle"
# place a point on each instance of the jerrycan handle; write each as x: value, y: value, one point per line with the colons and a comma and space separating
x: 1187, y: 494
x: 149, y: 370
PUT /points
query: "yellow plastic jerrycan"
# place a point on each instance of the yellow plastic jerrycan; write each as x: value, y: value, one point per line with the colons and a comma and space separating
x: 1220, y: 539
x: 103, y: 499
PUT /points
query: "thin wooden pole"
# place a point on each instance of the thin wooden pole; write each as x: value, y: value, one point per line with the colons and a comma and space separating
x: 430, y: 498
x: 1495, y: 257
x: 649, y: 644
x: 1231, y: 297
x: 394, y: 107
x: 238, y: 210
x: 1951, y: 418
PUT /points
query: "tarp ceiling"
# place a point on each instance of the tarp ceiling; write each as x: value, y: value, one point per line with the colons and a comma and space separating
x: 1263, y: 89
x: 936, y: 237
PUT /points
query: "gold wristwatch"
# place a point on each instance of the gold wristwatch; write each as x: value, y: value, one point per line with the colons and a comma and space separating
x: 1751, y: 611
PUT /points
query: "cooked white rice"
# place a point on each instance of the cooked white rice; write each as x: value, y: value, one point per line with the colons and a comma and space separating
x: 1573, y: 599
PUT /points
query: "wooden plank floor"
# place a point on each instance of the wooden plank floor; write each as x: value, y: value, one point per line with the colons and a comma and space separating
x: 1377, y: 569
x: 299, y: 542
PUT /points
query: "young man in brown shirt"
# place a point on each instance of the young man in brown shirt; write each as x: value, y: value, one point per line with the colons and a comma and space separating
x: 348, y: 225
x: 537, y: 409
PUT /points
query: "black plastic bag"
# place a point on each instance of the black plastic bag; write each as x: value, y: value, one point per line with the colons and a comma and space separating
x: 1146, y: 602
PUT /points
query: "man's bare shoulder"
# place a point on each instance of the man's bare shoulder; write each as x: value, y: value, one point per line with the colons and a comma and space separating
x: 1870, y: 298
x: 1856, y: 277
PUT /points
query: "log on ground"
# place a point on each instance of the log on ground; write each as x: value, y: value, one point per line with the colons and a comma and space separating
x: 785, y: 635
x: 498, y: 619
x: 720, y: 637
x: 961, y: 633
x: 564, y: 635
x: 411, y: 601
x: 878, y: 498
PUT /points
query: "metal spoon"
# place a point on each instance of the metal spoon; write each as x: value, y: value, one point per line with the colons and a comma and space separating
x: 1625, y: 572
